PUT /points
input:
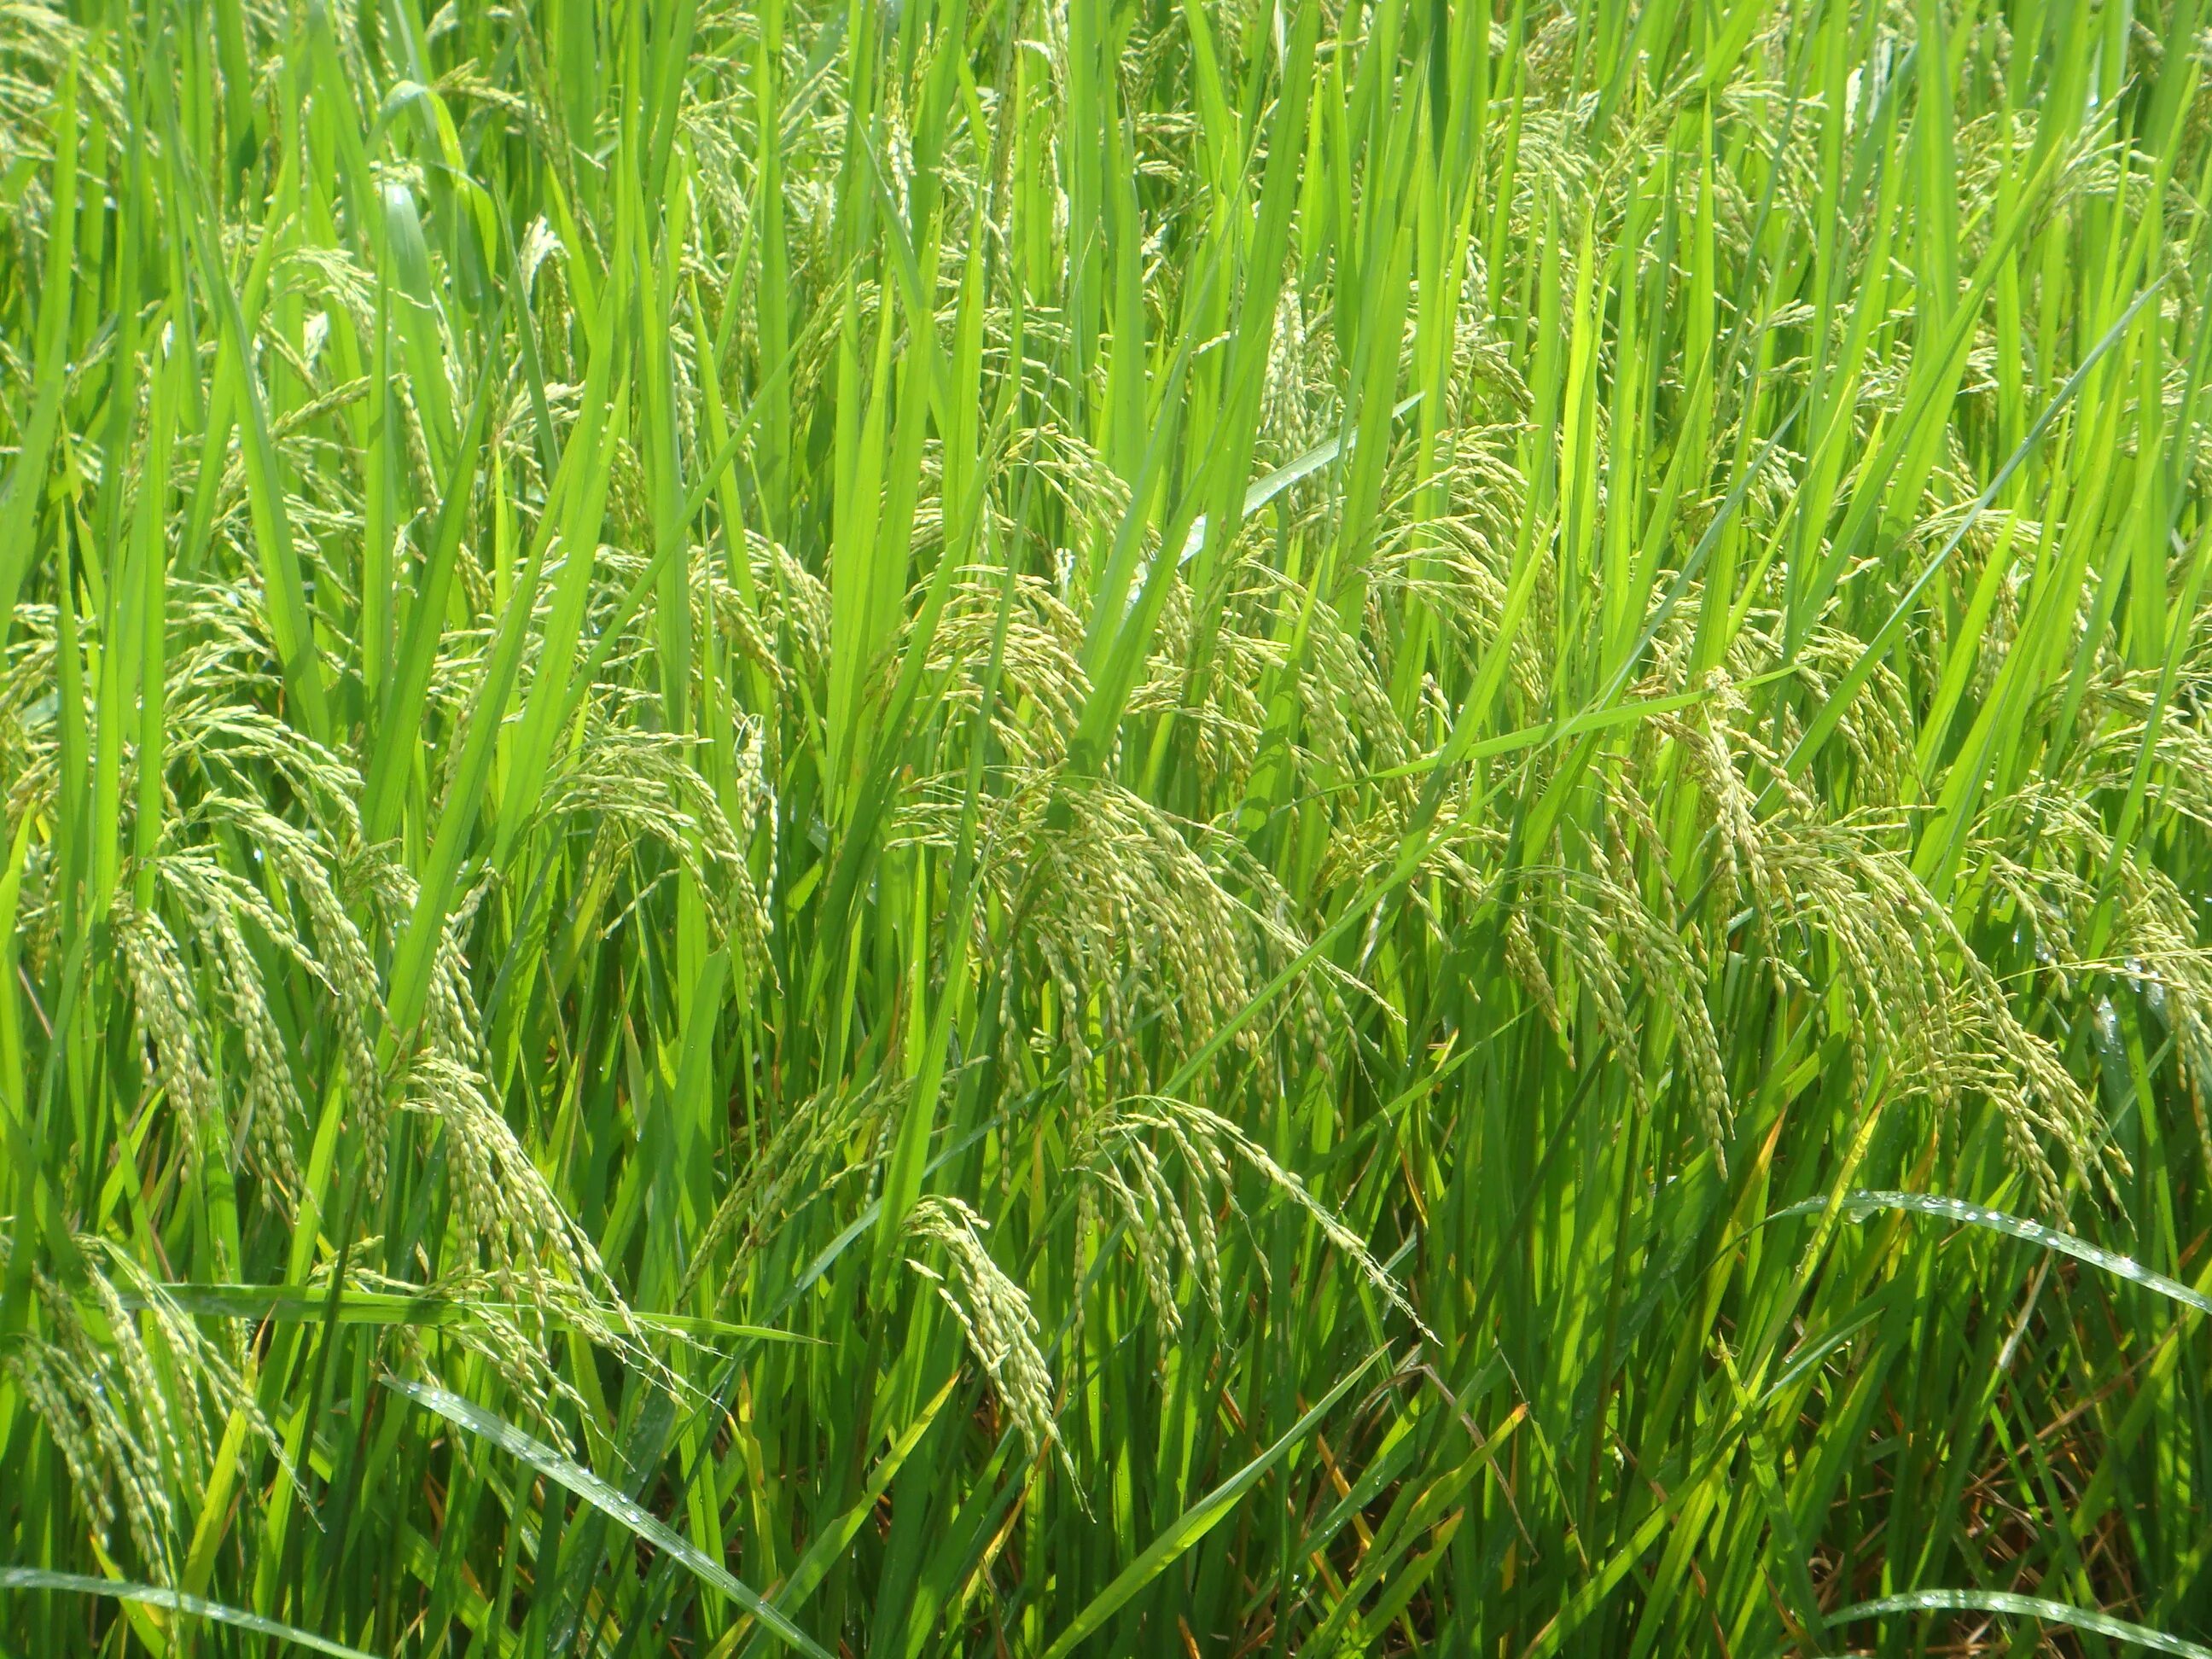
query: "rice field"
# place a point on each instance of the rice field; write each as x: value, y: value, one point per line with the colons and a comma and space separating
x: 1051, y: 828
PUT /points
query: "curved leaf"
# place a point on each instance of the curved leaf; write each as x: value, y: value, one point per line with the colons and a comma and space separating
x: 606, y: 1499
x: 153, y: 1595
x: 2026, y: 1607
x: 1858, y: 1204
x: 1195, y: 1523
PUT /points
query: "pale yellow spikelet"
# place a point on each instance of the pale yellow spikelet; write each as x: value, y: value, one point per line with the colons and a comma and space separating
x: 993, y: 1313
x: 1209, y: 1146
x: 170, y: 1016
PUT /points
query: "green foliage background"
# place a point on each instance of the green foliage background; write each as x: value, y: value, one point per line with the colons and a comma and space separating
x: 1040, y: 826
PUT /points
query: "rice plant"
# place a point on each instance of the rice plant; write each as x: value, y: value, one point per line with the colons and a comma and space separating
x: 1087, y: 827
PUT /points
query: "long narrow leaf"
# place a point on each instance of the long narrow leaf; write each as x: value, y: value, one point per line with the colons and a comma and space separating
x: 604, y: 1499
x: 153, y: 1595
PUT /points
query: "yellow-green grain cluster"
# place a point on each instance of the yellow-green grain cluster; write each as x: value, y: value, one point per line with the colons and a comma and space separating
x: 918, y: 828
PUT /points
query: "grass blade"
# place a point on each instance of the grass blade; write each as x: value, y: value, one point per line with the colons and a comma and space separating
x: 153, y: 1595
x: 2025, y: 1607
x: 1195, y: 1523
x: 600, y: 1496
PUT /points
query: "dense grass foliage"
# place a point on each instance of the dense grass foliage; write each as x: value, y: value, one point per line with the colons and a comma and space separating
x: 1050, y: 827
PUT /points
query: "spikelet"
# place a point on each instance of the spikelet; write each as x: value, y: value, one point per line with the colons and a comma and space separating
x: 221, y: 905
x: 1041, y: 683
x: 812, y: 1149
x: 170, y: 1016
x: 638, y: 787
x: 2065, y: 876
x: 131, y: 1393
x: 1905, y: 986
x: 993, y: 1313
x: 1116, y: 1153
x: 268, y: 1102
x: 515, y: 1221
x: 1610, y: 921
x: 511, y: 1338
x: 1139, y: 921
